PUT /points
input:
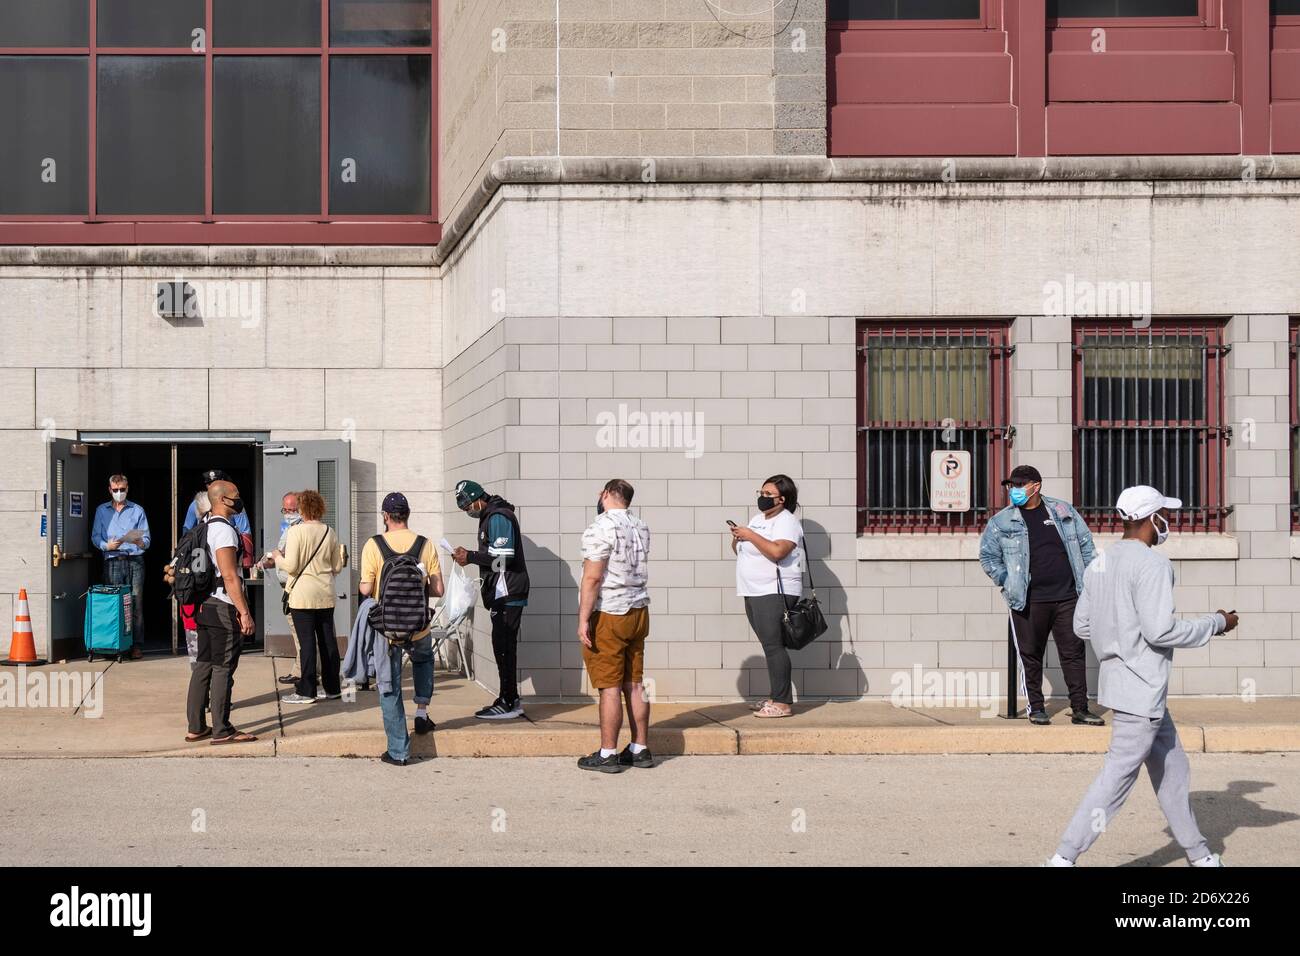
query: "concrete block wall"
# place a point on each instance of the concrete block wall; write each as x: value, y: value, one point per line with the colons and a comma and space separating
x: 633, y: 78
x: 326, y: 355
x: 739, y: 303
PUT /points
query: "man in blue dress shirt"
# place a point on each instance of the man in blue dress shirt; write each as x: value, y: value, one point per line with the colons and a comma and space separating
x: 240, y: 520
x: 121, y: 532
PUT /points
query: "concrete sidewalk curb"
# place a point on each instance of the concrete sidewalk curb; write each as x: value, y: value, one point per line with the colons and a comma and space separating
x: 533, y: 740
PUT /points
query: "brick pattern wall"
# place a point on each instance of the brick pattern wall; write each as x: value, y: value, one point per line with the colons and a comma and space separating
x: 329, y: 344
x: 636, y: 78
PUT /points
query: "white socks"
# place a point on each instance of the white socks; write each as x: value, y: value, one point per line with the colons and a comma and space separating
x: 606, y: 753
x: 636, y: 748
x: 422, y: 711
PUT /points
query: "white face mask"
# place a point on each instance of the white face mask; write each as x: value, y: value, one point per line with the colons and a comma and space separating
x: 118, y: 496
x: 1161, y: 536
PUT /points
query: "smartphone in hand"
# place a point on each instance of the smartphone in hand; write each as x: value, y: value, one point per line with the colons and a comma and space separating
x: 731, y: 523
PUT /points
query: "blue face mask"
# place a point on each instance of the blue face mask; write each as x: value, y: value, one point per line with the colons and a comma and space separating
x: 288, y: 521
x: 1019, y: 497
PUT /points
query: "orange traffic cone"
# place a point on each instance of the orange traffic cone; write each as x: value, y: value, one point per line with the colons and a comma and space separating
x: 22, y: 649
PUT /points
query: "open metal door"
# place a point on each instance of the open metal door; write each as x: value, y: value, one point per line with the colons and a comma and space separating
x: 70, y: 513
x: 295, y: 466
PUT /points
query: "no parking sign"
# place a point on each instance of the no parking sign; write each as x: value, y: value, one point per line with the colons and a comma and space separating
x: 950, y: 481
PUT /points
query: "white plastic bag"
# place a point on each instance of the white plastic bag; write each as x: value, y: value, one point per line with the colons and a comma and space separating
x: 461, y: 592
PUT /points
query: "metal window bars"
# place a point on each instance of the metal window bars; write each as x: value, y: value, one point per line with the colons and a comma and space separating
x: 1148, y: 410
x: 922, y: 387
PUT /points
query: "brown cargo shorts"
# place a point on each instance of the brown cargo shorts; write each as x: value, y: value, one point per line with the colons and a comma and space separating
x: 617, y: 656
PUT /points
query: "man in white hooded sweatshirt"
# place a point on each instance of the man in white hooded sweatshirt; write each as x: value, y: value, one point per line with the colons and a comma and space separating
x: 1127, y: 611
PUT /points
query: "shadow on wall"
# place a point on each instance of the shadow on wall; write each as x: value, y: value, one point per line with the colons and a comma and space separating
x: 828, y: 668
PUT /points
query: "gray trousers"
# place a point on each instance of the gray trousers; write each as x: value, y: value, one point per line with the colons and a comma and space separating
x: 1135, y: 741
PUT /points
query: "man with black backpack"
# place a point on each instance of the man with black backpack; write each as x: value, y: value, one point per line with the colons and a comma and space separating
x: 207, y: 575
x: 503, y: 576
x: 400, y: 570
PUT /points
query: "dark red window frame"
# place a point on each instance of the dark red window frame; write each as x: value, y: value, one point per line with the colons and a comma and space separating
x: 321, y: 229
x: 994, y: 424
x: 1204, y: 428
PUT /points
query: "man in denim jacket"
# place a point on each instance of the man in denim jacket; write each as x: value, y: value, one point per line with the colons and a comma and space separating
x: 1036, y: 550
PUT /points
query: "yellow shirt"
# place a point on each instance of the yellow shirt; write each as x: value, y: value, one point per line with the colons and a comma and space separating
x: 372, y: 561
x: 314, y: 587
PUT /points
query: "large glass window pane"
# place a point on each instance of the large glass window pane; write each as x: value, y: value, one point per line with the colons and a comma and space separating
x: 44, y: 113
x: 150, y: 23
x: 1121, y: 8
x: 1286, y: 8
x: 903, y: 10
x: 150, y: 135
x: 381, y: 23
x: 266, y: 23
x: 266, y: 135
x: 379, y: 135
x: 44, y: 23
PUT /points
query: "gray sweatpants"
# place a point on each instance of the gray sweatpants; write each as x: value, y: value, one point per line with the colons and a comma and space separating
x: 1135, y: 741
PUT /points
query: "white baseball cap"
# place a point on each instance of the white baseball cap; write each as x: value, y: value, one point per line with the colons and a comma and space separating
x: 1142, y: 501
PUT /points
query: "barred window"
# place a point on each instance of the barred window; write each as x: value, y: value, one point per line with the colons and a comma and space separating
x: 922, y: 388
x: 1148, y: 409
x: 1295, y: 424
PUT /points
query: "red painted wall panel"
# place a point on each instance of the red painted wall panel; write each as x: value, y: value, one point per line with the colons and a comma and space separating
x: 1161, y: 129
x: 923, y: 78
x: 928, y: 130
x: 1114, y: 77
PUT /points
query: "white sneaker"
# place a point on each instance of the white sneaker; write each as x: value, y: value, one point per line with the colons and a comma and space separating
x: 1058, y: 860
x: 297, y: 699
x: 1211, y: 860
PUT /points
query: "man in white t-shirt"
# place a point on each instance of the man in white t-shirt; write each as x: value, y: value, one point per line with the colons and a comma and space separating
x: 613, y: 621
x: 224, y: 620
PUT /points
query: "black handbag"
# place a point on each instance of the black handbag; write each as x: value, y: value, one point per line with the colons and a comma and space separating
x: 803, y: 622
x: 284, y: 595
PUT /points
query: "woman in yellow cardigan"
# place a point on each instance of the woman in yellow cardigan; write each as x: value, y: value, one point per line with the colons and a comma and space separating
x: 311, y: 558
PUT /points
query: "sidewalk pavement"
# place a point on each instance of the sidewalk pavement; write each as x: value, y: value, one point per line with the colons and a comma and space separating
x: 143, y: 714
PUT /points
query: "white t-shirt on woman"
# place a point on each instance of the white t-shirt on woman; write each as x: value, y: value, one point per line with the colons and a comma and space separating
x: 755, y: 572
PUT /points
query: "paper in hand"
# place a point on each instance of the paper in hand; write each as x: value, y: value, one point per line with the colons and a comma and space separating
x: 133, y: 537
x: 446, y: 546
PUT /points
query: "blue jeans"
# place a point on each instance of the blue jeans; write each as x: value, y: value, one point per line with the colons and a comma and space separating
x: 421, y: 654
x: 130, y: 571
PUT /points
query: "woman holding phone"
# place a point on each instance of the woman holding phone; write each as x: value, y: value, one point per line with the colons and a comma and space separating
x: 769, y: 553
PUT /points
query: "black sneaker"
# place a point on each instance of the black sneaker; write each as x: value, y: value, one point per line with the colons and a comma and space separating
x: 386, y: 757
x: 287, y: 679
x: 1086, y: 716
x: 500, y: 710
x: 1039, y: 717
x: 644, y: 759
x: 610, y: 764
x: 423, y: 725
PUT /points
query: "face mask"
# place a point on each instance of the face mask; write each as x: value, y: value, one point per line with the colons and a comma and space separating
x: 765, y: 503
x: 289, y: 520
x: 600, y: 505
x: 1019, y: 497
x: 118, y: 496
x: 1161, y: 536
x: 236, y: 505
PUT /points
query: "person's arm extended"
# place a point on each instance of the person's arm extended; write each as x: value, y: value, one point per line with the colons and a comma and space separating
x: 1084, y: 535
x: 99, y: 531
x: 1083, y: 613
x: 228, y: 562
x: 1160, y: 628
x: 991, y: 556
x: 145, y: 537
x: 592, y: 572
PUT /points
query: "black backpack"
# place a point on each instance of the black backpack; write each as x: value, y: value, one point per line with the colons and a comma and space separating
x: 402, y: 610
x: 194, y: 579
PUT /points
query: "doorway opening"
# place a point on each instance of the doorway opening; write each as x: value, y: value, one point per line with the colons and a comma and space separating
x: 164, y: 477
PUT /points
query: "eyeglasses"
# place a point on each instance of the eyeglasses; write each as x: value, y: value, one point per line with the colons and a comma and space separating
x: 116, y: 489
x: 287, y: 511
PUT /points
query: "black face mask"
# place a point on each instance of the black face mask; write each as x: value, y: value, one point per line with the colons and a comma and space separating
x: 765, y: 503
x: 236, y: 505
